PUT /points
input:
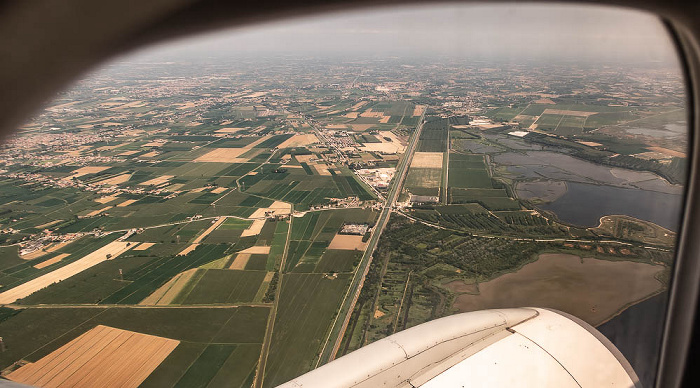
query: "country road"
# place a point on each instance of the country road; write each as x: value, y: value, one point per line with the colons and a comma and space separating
x: 335, y: 335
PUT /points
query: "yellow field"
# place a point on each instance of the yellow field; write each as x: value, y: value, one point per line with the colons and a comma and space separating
x: 359, y: 105
x: 370, y: 113
x: 149, y: 154
x: 88, y: 170
x: 223, y: 155
x: 427, y: 160
x: 254, y: 228
x: 185, y: 105
x: 347, y: 241
x: 255, y: 95
x: 304, y: 158
x: 187, y: 250
x: 56, y: 246
x: 352, y: 115
x: 167, y: 292
x: 668, y: 152
x: 77, y: 151
x: 268, y: 276
x: 240, y: 261
x: 102, y: 357
x: 52, y: 260
x: 34, y: 255
x: 567, y: 112
x: 106, y: 199
x: 218, y: 190
x: 127, y: 202
x: 46, y: 225
x: 257, y: 250
x: 589, y: 143
x: 157, y: 181
x: 545, y: 101
x: 114, y: 249
x: 276, y: 208
x: 418, y: 110
x: 127, y: 153
x: 229, y: 155
x: 230, y: 130
x: 322, y: 169
x: 143, y: 246
x: 117, y: 180
x: 96, y: 212
x: 299, y: 140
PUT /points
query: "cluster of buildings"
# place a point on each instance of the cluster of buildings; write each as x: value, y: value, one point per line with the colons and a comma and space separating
x: 356, y: 229
x: 379, y: 178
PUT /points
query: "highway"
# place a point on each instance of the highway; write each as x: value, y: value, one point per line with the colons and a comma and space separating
x: 335, y: 336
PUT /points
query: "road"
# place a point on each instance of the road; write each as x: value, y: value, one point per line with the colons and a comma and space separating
x: 265, y: 350
x: 340, y: 324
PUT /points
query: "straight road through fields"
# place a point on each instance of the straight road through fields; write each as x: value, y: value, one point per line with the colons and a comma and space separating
x: 335, y: 336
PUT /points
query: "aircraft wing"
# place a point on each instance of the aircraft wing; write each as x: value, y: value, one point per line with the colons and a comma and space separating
x: 520, y: 347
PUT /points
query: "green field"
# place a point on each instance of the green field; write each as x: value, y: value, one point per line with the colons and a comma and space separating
x: 433, y: 138
x: 34, y: 333
x: 338, y: 260
x: 312, y: 234
x: 307, y: 306
x: 468, y: 171
x: 423, y: 177
x: 223, y: 286
x: 17, y: 273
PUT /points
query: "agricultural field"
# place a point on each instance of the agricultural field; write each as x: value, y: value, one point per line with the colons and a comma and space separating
x: 470, y: 182
x: 433, y: 138
x: 33, y: 334
x: 118, y: 357
x: 309, y: 299
x: 315, y: 242
x: 202, y: 206
x: 224, y: 286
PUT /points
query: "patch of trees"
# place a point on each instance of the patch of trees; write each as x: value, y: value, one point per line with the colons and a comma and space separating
x: 271, y: 289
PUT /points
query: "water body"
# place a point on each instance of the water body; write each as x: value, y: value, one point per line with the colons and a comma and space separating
x: 669, y: 131
x: 584, y: 204
x: 637, y: 332
x: 556, y: 166
x: 592, y: 190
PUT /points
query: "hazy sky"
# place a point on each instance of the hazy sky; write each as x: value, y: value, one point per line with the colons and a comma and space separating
x: 536, y: 31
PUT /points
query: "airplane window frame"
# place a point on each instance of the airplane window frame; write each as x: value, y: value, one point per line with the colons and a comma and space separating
x: 680, y: 340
